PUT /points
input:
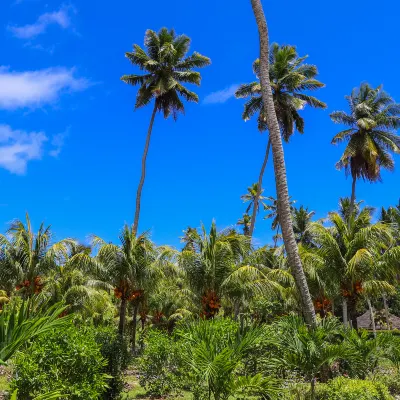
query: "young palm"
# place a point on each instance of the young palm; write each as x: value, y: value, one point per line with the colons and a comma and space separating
x: 289, y: 78
x: 167, y: 68
x: 370, y: 136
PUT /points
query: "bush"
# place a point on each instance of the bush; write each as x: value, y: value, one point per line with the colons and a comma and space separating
x: 69, y: 361
x: 352, y: 389
x: 115, y: 350
x: 159, y: 364
x: 389, y: 378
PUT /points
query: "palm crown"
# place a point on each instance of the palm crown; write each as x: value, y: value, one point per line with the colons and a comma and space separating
x: 167, y: 67
x: 289, y: 79
x: 370, y: 137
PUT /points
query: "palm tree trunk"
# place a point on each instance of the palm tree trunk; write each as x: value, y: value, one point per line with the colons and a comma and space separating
x: 276, y: 237
x: 371, y: 311
x: 345, y: 312
x: 122, y: 314
x: 259, y: 190
x: 385, y: 305
x: 352, y: 200
x: 134, y: 326
x: 236, y: 310
x: 285, y: 216
x: 143, y: 176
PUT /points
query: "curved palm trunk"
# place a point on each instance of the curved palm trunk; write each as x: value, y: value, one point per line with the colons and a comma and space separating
x: 371, y: 311
x: 143, y: 176
x: 352, y: 200
x: 280, y: 169
x: 256, y: 200
x: 122, y: 315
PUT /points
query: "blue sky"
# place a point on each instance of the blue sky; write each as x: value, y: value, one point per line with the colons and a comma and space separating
x: 70, y: 143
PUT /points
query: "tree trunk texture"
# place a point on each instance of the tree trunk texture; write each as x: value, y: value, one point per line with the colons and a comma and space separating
x: 257, y: 199
x: 134, y: 327
x: 352, y: 201
x: 385, y: 305
x: 143, y: 175
x: 371, y: 311
x: 345, y: 312
x: 280, y: 169
x: 122, y: 315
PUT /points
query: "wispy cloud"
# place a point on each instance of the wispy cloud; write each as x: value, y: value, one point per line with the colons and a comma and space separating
x: 30, y: 31
x: 58, y: 143
x: 17, y: 148
x: 32, y: 89
x: 221, y: 96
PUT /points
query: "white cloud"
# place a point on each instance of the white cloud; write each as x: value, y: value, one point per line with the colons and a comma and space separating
x: 36, y: 88
x: 221, y: 96
x: 17, y: 148
x: 58, y: 143
x: 30, y: 31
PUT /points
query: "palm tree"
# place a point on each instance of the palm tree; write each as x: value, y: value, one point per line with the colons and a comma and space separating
x: 348, y: 257
x: 307, y: 351
x: 301, y: 220
x: 285, y: 216
x: 26, y: 256
x: 210, y: 261
x: 371, y: 135
x: 289, y: 77
x: 274, y: 214
x: 212, y: 358
x: 167, y: 67
x: 245, y: 222
x: 127, y: 269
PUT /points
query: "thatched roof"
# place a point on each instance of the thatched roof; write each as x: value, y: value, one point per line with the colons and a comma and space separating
x: 364, y: 321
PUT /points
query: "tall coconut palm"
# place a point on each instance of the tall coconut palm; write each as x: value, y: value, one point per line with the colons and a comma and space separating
x: 26, y: 256
x: 370, y: 136
x: 245, y: 223
x: 290, y: 78
x: 167, y: 68
x: 254, y: 198
x: 272, y: 122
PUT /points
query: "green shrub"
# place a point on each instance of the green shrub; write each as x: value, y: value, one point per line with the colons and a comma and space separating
x: 69, y: 361
x: 115, y: 350
x: 159, y: 364
x: 352, y: 389
x: 389, y: 378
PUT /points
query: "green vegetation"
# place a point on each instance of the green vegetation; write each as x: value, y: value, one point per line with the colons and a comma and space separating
x: 223, y: 317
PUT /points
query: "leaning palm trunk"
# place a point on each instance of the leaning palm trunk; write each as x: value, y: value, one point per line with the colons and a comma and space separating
x: 259, y: 190
x: 143, y: 175
x: 285, y: 217
x: 371, y: 311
